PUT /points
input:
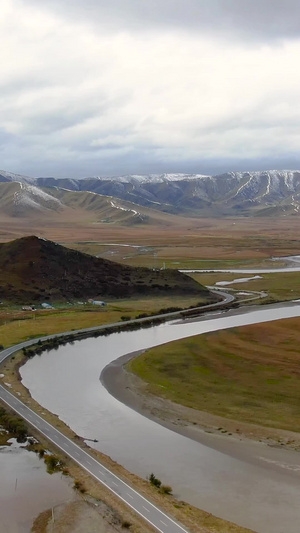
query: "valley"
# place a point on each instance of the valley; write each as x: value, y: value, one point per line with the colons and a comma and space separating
x: 106, y: 228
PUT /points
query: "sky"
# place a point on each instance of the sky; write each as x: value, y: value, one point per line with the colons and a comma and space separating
x: 149, y: 86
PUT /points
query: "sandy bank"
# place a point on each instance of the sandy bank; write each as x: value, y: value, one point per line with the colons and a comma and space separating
x: 220, y: 433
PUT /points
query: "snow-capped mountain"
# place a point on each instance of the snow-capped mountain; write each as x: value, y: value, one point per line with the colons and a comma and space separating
x: 23, y: 200
x: 258, y: 193
x: 10, y: 176
x: 30, y: 196
x: 19, y: 199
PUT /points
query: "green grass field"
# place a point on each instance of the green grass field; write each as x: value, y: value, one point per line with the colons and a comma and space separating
x: 279, y: 286
x: 250, y: 374
x: 17, y: 326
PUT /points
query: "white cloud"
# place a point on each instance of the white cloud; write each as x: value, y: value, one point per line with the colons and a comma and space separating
x: 69, y: 91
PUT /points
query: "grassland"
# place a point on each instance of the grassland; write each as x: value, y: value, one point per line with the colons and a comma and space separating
x: 280, y: 287
x: 249, y: 374
x: 17, y: 325
x: 235, y: 377
x: 185, y: 241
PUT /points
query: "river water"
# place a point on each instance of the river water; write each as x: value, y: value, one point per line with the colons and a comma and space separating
x: 291, y: 260
x: 26, y: 489
x: 246, y: 482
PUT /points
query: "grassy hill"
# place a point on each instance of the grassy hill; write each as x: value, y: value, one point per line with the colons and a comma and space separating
x: 35, y: 270
x: 25, y: 202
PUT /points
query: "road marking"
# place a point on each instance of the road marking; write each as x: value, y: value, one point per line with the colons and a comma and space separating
x: 66, y: 445
x: 130, y: 496
x: 115, y: 483
x: 164, y: 523
x: 89, y: 463
x: 52, y: 433
x: 146, y: 509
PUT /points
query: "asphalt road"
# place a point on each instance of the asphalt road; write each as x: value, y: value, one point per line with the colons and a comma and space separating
x: 138, y: 503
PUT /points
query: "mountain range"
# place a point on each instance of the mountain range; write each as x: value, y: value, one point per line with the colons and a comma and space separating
x: 258, y: 193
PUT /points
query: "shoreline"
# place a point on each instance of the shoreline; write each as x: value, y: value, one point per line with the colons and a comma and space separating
x: 223, y: 434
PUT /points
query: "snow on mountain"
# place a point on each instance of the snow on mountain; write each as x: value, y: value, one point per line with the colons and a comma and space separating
x: 10, y: 176
x: 151, y: 178
x: 33, y: 197
x: 259, y: 193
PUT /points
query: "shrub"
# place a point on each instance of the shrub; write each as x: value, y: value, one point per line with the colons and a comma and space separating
x: 126, y: 524
x: 154, y: 481
x: 53, y: 463
x: 142, y: 315
x: 78, y: 485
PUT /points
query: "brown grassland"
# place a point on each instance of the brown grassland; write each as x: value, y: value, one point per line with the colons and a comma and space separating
x: 249, y: 373
x: 186, y: 241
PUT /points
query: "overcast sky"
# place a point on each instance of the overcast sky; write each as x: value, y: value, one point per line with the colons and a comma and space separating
x: 110, y: 87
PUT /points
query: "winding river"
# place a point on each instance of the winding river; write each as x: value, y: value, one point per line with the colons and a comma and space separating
x: 249, y: 483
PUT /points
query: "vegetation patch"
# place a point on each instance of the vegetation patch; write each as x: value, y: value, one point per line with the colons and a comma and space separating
x: 17, y: 326
x: 35, y: 270
x: 14, y: 426
x: 250, y: 374
x: 280, y: 287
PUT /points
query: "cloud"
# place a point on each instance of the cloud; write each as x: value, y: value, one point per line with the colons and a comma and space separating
x: 110, y: 87
x: 245, y: 19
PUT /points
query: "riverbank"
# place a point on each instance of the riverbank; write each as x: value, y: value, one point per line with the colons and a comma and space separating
x: 98, y: 506
x: 205, y: 428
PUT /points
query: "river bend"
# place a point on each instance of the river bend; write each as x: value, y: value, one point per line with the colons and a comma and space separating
x: 246, y: 482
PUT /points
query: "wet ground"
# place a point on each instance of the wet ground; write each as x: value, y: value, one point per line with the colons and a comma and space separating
x: 26, y: 489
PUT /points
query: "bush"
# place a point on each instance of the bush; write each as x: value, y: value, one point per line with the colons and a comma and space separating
x: 78, y: 485
x: 154, y: 481
x: 53, y: 463
x: 142, y: 315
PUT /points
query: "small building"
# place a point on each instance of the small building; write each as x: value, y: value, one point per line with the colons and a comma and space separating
x: 47, y: 306
x: 97, y: 302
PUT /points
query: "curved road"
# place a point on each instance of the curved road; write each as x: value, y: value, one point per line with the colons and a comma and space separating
x: 141, y: 505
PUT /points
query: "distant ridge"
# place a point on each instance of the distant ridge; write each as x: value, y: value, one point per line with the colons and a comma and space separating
x: 24, y: 200
x: 36, y: 270
x: 257, y: 193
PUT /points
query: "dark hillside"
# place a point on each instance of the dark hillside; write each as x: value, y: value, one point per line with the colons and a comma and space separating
x: 35, y: 270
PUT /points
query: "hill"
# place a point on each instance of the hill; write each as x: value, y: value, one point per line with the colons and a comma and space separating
x: 37, y: 270
x: 20, y: 200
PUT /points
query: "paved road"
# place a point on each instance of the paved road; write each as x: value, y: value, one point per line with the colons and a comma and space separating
x: 138, y: 503
x: 143, y: 507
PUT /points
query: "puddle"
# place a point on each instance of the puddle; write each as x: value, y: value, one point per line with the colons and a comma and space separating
x: 26, y: 489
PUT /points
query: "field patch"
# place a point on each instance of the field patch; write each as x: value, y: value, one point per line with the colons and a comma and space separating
x: 250, y: 374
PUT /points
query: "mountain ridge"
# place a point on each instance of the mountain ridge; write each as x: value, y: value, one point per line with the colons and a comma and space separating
x: 253, y: 193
